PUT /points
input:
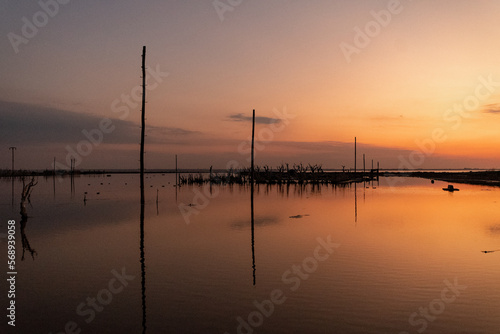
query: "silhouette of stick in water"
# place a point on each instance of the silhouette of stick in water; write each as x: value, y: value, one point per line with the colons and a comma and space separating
x: 25, y: 196
x: 490, y: 251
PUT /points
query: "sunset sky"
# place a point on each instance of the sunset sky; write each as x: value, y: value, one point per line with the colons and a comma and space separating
x: 417, y: 82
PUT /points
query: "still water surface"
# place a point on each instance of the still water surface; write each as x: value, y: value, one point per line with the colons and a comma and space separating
x: 388, y: 257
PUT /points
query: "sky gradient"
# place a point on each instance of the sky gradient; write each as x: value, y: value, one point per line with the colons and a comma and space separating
x: 417, y: 82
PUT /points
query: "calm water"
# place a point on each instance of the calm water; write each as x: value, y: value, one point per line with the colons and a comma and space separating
x: 388, y: 257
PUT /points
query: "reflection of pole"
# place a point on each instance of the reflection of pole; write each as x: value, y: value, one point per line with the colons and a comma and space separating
x: 251, y: 198
x: 72, y: 175
x: 143, y: 261
x: 355, y: 203
x: 12, y: 192
x: 253, y: 230
x: 12, y: 149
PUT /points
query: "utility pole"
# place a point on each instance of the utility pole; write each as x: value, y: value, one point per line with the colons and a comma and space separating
x: 143, y: 116
x: 363, y: 163
x: 143, y: 128
x: 354, y: 154
x: 12, y: 148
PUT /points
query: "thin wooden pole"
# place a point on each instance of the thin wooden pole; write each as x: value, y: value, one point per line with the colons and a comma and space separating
x: 143, y: 118
x: 354, y: 154
x: 141, y: 218
x: 363, y: 163
x: 176, y: 175
x: 13, y: 148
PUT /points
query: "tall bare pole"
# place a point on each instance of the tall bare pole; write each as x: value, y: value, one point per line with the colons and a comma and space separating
x: 354, y: 154
x: 143, y: 116
x: 363, y: 163
x: 12, y: 148
x: 143, y: 128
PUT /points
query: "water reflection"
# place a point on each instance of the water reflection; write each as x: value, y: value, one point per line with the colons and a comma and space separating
x: 386, y: 268
x: 355, y: 203
x: 72, y: 182
x: 25, y: 197
x: 12, y: 192
x: 142, y: 255
x: 253, y: 230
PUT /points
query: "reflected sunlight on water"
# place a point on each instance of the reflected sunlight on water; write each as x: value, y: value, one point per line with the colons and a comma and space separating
x: 398, y: 249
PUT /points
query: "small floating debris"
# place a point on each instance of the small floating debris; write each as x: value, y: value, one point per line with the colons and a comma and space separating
x: 298, y: 216
x: 451, y: 188
x: 109, y: 175
x: 490, y: 251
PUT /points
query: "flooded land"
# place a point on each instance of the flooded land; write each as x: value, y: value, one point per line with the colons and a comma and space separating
x: 397, y: 255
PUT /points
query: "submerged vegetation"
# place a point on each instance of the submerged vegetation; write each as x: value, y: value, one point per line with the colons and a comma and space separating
x: 282, y: 174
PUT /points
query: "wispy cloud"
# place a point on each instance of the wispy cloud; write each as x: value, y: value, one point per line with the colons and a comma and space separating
x: 493, y: 108
x: 259, y: 119
x: 33, y: 124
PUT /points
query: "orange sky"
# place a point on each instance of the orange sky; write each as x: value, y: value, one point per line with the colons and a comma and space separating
x: 423, y: 69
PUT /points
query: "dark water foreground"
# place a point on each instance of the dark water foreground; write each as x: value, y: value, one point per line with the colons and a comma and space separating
x: 387, y: 257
